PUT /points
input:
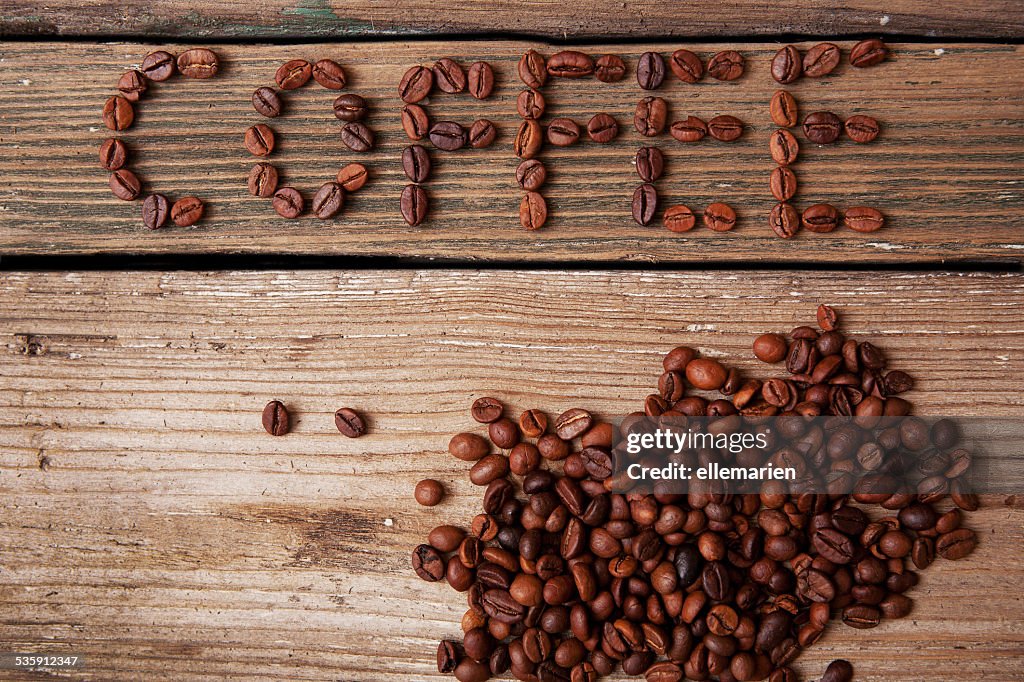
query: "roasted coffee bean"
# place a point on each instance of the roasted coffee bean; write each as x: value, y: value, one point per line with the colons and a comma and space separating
x: 187, y: 211
x: 570, y: 64
x: 125, y: 185
x: 573, y: 423
x: 650, y: 70
x: 449, y: 76
x: 822, y: 127
x: 530, y: 104
x: 602, y: 128
x: 726, y: 66
x: 533, y: 423
x: 158, y: 66
x: 563, y: 132
x: 820, y: 218
x: 118, y: 113
x: 113, y: 154
x: 834, y: 546
x: 787, y: 65
x: 504, y: 433
x: 863, y: 219
x: 687, y: 66
x: 783, y: 147
x: 861, y: 616
x: 821, y: 60
x: 329, y: 74
x: 784, y: 220
x: 499, y: 605
x: 957, y: 544
x: 645, y: 203
x: 528, y: 140
x: 533, y: 69
x: 679, y: 218
x: 533, y: 211
x: 155, y: 211
x: 429, y: 492
x: 328, y: 200
x: 609, y: 68
x: 428, y: 563
x: 486, y: 410
x: 288, y: 203
x: 827, y: 320
x: 838, y: 671
x: 650, y: 116
x: 861, y: 129
x: 531, y: 175
x: 783, y: 109
x: 447, y: 656
x: 293, y: 74
x: 923, y: 552
x: 480, y: 81
x: 416, y: 84
x: 691, y: 129
x: 488, y: 469
x: 416, y: 163
x: 132, y: 84
x: 868, y: 53
x: 352, y: 177
x: 706, y: 374
x: 266, y: 102
x: 725, y: 128
x: 350, y: 107
x: 198, y: 62
x: 259, y: 140
x: 468, y: 447
x: 414, y: 204
x: 783, y: 183
x: 415, y: 121
x: 469, y: 670
x: 770, y: 348
x: 357, y: 136
x: 275, y: 418
x: 719, y: 217
x: 650, y: 163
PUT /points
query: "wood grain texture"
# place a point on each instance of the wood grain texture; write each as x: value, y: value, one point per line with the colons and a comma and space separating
x: 947, y: 170
x: 148, y: 523
x: 595, y: 18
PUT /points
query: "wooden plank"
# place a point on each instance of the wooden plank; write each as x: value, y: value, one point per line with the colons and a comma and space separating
x: 596, y: 18
x: 947, y: 169
x: 149, y: 524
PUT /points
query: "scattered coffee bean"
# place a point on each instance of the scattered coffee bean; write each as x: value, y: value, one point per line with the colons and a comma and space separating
x: 531, y: 175
x: 863, y: 219
x: 821, y: 60
x: 650, y: 116
x: 610, y: 68
x: 861, y: 128
x: 113, y: 154
x: 416, y: 84
x: 329, y: 74
x: 155, y: 210
x: 118, y: 113
x: 530, y: 104
x: 328, y: 200
x: 726, y: 66
x: 533, y: 423
x: 725, y: 128
x: 414, y: 204
x: 351, y: 107
x: 770, y: 348
x: 262, y: 180
x: 259, y: 140
x: 132, y: 84
x: 533, y: 211
x: 448, y: 136
x: 533, y: 69
x: 787, y: 65
x: 783, y: 109
x: 822, y: 127
x: 784, y: 220
x: 487, y: 410
x: 416, y: 163
x: 528, y: 140
x: 650, y: 163
x: 783, y: 183
x: 602, y: 128
x: 449, y: 76
x: 428, y: 563
x: 293, y: 74
x: 415, y: 121
x: 357, y: 136
x: 570, y: 64
x: 352, y: 177
x: 275, y: 418
x: 650, y: 71
x: 288, y: 202
x: 679, y: 218
x: 349, y: 422
x: 820, y: 218
x: 199, y: 62
x: 868, y: 53
x: 158, y: 66
x: 480, y: 81
x: 125, y: 185
x: 783, y: 147
x: 266, y: 102
x: 563, y: 132
x: 719, y: 217
x: 187, y: 211
x: 645, y: 203
x: 691, y: 129
x: 686, y: 66
x: 429, y: 493
x: 838, y: 671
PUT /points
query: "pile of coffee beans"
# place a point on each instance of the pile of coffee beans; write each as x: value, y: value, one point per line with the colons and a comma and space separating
x: 277, y: 421
x: 566, y: 580
x: 260, y: 139
x: 448, y: 76
x: 119, y: 114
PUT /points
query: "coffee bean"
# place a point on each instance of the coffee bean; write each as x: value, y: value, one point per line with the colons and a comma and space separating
x: 487, y: 410
x: 834, y: 546
x: 783, y: 109
x: 783, y: 147
x: 414, y: 204
x: 820, y: 218
x: 572, y: 423
x: 770, y: 348
x: 923, y: 552
x: 416, y: 163
x: 158, y: 66
x: 489, y: 468
x: 645, y: 203
x: 533, y: 423
x: 288, y: 203
x: 132, y: 84
x: 827, y: 319
x: 838, y: 671
x: 352, y: 177
x: 329, y: 74
x: 293, y: 74
x: 650, y: 70
x: 449, y: 76
x: 570, y: 64
x: 531, y: 174
x: 821, y: 60
x: 349, y: 422
x: 415, y: 121
x: 610, y: 68
x: 275, y: 418
x: 447, y: 657
x: 533, y: 211
x: 706, y: 374
x: 266, y: 102
x: 861, y: 129
x: 125, y: 185
x: 350, y: 107
x: 118, y: 113
x: 719, y: 217
x: 259, y: 140
x: 650, y: 116
x: 533, y: 69
x: 863, y: 219
x: 448, y: 136
x: 679, y: 218
x: 530, y: 104
x: 480, y: 80
x: 429, y: 493
x: 822, y: 127
x: 499, y: 605
x: 198, y: 62
x: 784, y: 220
x: 468, y: 447
x: 691, y: 129
x: 687, y: 66
x: 187, y: 211
x: 957, y: 544
x: 726, y: 66
x: 787, y: 65
x: 563, y: 132
x: 725, y: 128
x: 868, y: 53
x: 602, y: 128
x: 650, y: 163
x: 428, y: 563
x: 155, y: 210
x: 528, y: 140
x: 783, y: 183
x: 113, y: 154
x: 357, y: 136
x: 328, y: 200
x: 416, y: 84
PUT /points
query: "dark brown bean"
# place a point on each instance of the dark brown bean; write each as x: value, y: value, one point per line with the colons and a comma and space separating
x: 158, y: 66
x: 414, y: 204
x: 784, y: 220
x: 449, y: 76
x: 861, y: 129
x: 726, y: 66
x: 329, y: 74
x: 357, y: 136
x: 155, y: 211
x: 533, y: 69
x: 650, y: 163
x: 868, y: 53
x: 288, y: 202
x: 820, y: 218
x: 276, y: 420
x: 725, y: 128
x: 650, y: 116
x: 187, y: 211
x: 650, y: 71
x: 328, y: 200
x: 533, y: 211
x: 782, y: 183
x: 416, y: 84
x: 570, y: 64
x: 686, y: 66
x: 719, y: 217
x: 132, y: 84
x: 531, y: 175
x: 609, y: 68
x: 563, y: 132
x: 480, y: 82
x: 530, y: 104
x: 113, y: 154
x: 416, y: 163
x: 293, y: 74
x: 822, y: 127
x: 821, y: 60
x: 350, y: 107
x: 602, y: 128
x: 645, y: 203
x: 787, y: 65
x: 266, y: 102
x: 198, y: 62
x: 429, y: 492
x: 259, y: 140
x: 125, y: 185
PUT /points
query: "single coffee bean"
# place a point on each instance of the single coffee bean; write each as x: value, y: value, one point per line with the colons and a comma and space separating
x: 650, y: 163
x: 719, y: 217
x: 187, y: 211
x: 352, y: 177
x: 198, y: 62
x: 293, y: 74
x: 490, y: 468
x: 448, y: 136
x: 783, y: 147
x: 563, y: 132
x: 783, y: 109
x: 650, y: 70
x: 415, y: 121
x: 820, y: 218
x: 610, y: 68
x: 118, y: 113
x: 416, y: 84
x: 350, y: 107
x: 868, y: 53
x: 447, y: 657
x: 533, y: 69
x: 770, y: 348
x: 468, y: 447
x: 259, y: 140
x: 726, y: 66
x: 487, y: 410
x: 957, y: 544
x: 679, y: 218
x: 531, y: 175
x: 288, y: 202
x: 155, y: 210
x: 533, y: 423
x: 861, y: 129
x: 329, y: 74
x: 125, y: 185
x: 266, y: 102
x: 686, y: 66
x: 787, y: 65
x: 113, y: 154
x: 725, y: 128
x: 158, y: 66
x: 570, y: 64
x: 863, y: 219
x: 691, y: 129
x: 414, y: 204
x: 449, y: 76
x: 828, y: 321
x: 349, y: 422
x: 275, y: 418
x: 132, y: 84
x: 645, y: 203
x: 328, y: 200
x: 784, y: 222
x: 528, y: 140
x: 923, y: 552
x: 428, y: 563
x: 572, y: 423
x: 533, y: 211
x: 480, y: 81
x: 602, y: 128
x: 822, y: 127
x: 783, y: 183
x: 416, y: 163
x: 650, y: 116
x: 838, y: 671
x: 821, y: 60
x: 429, y: 492
x: 530, y: 104
x: 357, y: 136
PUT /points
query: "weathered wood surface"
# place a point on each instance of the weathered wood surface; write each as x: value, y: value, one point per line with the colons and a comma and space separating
x: 596, y: 18
x: 148, y: 523
x: 947, y: 169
